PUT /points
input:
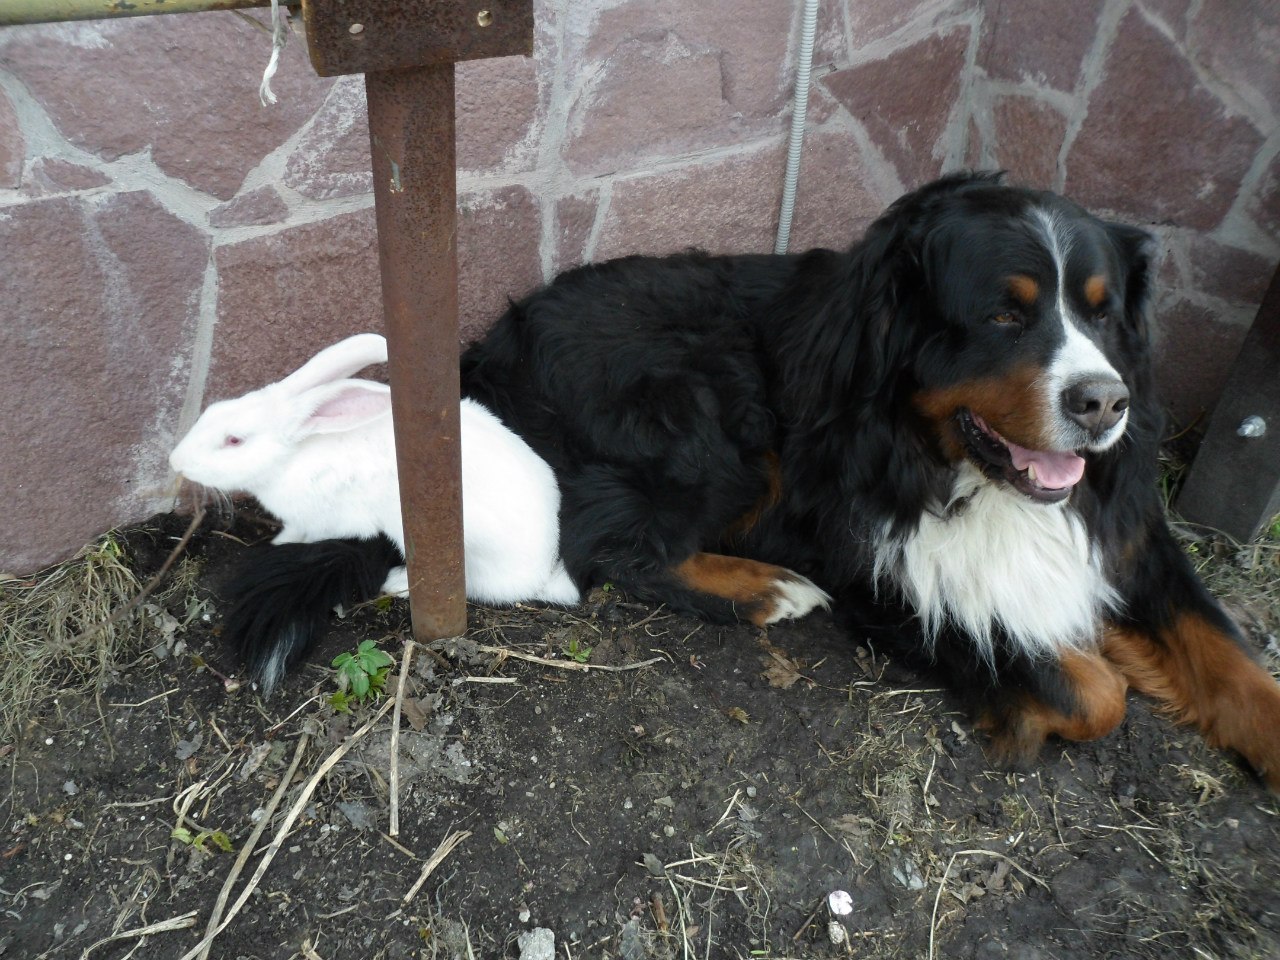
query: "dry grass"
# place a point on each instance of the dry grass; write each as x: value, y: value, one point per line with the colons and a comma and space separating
x: 57, y: 630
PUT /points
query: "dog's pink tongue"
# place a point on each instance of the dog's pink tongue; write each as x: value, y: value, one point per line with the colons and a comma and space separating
x: 1055, y: 469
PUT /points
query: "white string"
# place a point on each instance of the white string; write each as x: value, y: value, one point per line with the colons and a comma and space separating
x: 279, y: 36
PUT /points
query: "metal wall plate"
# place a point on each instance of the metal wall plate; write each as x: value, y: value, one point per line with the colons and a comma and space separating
x: 364, y: 36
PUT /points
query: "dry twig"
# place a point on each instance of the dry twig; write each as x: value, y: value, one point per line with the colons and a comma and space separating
x: 437, y: 858
x: 164, y: 926
x: 405, y: 662
x: 565, y: 664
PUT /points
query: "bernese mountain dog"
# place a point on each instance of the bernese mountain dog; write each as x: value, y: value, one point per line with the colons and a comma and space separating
x: 947, y: 432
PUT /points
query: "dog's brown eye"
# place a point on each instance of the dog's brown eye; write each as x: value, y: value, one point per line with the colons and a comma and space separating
x: 1005, y: 318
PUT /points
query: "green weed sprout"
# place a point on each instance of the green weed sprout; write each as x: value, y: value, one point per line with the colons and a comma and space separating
x: 361, y: 675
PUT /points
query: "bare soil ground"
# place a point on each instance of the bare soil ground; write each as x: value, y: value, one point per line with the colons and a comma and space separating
x: 699, y: 797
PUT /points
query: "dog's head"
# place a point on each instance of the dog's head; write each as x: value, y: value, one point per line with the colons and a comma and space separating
x: 1024, y: 316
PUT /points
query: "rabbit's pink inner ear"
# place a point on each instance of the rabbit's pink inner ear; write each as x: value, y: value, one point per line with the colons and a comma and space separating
x: 347, y: 409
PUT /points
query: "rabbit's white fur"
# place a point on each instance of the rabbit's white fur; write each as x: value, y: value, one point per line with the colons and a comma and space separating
x: 317, y: 450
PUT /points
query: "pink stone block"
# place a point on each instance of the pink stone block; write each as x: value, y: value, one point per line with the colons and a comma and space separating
x: 184, y: 86
x: 499, y: 234
x: 1156, y: 145
x: 871, y: 20
x: 1042, y: 41
x: 1264, y: 204
x: 830, y: 45
x: 1227, y: 272
x: 282, y: 297
x: 666, y: 77
x: 256, y: 208
x: 905, y: 100
x: 332, y: 159
x: 1028, y: 135
x: 1193, y: 356
x: 651, y: 99
x: 497, y: 113
x: 834, y: 200
x: 751, y: 39
x: 13, y: 146
x: 101, y: 301
x: 722, y: 206
x: 575, y: 218
x: 51, y: 175
x: 1238, y: 41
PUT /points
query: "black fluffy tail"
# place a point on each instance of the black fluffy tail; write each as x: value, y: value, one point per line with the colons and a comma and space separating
x: 281, y: 597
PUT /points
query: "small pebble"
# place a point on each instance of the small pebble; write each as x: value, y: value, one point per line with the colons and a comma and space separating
x: 669, y: 830
x: 751, y: 792
x: 836, y: 933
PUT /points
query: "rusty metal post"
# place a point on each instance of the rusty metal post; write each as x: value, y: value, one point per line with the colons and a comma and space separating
x: 411, y: 130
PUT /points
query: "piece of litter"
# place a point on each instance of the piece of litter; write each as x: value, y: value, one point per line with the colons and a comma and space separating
x: 840, y: 902
x: 907, y: 873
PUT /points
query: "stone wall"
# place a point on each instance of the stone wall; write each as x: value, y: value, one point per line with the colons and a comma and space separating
x: 165, y: 240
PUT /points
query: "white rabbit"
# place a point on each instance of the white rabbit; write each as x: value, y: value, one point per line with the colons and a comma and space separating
x: 317, y: 451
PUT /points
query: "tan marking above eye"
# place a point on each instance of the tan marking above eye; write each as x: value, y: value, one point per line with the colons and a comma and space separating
x: 1095, y: 290
x: 1026, y: 290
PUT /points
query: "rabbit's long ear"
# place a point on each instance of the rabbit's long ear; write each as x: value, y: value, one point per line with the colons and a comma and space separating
x: 335, y: 362
x: 338, y: 407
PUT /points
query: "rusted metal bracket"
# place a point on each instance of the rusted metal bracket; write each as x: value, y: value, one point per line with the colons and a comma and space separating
x: 1234, y: 483
x: 365, y: 36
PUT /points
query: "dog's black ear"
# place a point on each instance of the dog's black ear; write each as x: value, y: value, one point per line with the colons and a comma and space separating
x: 1136, y: 249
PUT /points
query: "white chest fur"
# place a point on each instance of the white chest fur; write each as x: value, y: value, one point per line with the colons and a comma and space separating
x: 1001, y: 561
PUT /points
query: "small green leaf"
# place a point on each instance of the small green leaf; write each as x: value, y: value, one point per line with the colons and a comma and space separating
x: 360, y: 685
x: 221, y: 841
x: 183, y: 835
x: 499, y: 835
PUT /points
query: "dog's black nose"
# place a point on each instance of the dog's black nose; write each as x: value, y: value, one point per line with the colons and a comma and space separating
x: 1096, y: 404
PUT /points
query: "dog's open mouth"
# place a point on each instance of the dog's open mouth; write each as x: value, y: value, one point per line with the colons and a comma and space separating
x: 1045, y: 475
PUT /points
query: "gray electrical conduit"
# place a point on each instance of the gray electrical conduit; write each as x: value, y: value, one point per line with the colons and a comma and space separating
x: 799, y: 107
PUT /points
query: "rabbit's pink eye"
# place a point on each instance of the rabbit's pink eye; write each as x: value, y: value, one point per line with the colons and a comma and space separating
x: 232, y: 441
